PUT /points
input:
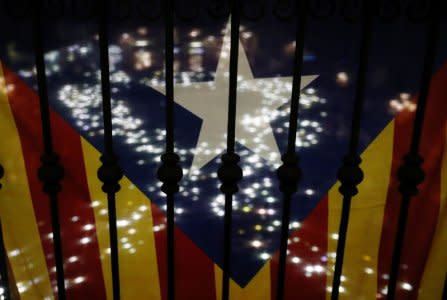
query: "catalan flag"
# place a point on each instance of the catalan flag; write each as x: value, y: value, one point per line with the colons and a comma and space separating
x: 201, y: 93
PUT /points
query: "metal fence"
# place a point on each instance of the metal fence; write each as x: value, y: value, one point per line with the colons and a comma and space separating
x: 350, y: 174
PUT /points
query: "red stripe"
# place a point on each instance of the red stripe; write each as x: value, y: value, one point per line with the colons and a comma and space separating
x: 74, y: 199
x: 194, y: 271
x: 424, y: 208
x: 311, y: 249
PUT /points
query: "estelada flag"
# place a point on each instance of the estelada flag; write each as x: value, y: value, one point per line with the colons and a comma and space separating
x: 264, y: 87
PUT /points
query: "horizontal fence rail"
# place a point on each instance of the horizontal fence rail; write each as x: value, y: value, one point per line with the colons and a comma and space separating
x: 350, y: 174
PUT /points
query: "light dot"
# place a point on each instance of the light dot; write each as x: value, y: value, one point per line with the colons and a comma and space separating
x: 264, y: 256
x: 406, y: 286
x: 309, y: 192
x: 256, y: 243
x: 318, y: 268
x: 296, y: 260
x: 85, y: 240
x: 72, y: 259
x: 88, y: 227
x: 309, y: 269
x: 79, y: 279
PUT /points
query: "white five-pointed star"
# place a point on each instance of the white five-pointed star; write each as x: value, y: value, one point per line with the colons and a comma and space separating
x: 257, y: 104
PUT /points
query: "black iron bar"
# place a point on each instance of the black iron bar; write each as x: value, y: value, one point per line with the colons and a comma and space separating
x: 228, y: 225
x: 350, y: 174
x: 50, y: 172
x: 234, y: 52
x: 105, y: 74
x: 169, y: 74
x: 170, y: 199
x: 230, y: 172
x: 170, y: 172
x: 297, y: 72
x: 289, y: 173
x: 411, y: 173
x: 110, y: 172
x: 285, y: 220
x: 4, y: 280
x: 170, y: 213
x: 444, y: 290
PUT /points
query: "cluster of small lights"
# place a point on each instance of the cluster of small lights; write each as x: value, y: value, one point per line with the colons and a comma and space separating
x: 84, y: 102
x: 402, y: 103
x: 313, y: 269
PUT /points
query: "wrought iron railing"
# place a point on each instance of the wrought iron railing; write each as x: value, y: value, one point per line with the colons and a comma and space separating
x: 365, y: 13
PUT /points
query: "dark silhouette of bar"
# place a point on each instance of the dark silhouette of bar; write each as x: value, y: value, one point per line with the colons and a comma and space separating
x: 50, y: 172
x: 4, y: 279
x: 170, y: 172
x: 350, y: 174
x: 230, y: 173
x: 289, y: 173
x: 411, y: 174
x: 110, y: 172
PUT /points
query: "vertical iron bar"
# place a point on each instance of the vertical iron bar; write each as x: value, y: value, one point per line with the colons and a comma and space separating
x: 290, y: 172
x: 41, y: 77
x: 110, y: 172
x: 54, y: 207
x: 50, y: 171
x: 169, y: 83
x: 170, y: 172
x: 283, y: 248
x: 350, y: 174
x: 170, y: 213
x: 444, y: 290
x: 342, y: 231
x: 4, y: 282
x: 105, y: 75
x: 231, y: 137
x: 4, y: 267
x: 113, y: 236
x: 367, y: 22
x: 228, y: 225
x: 411, y: 173
x: 230, y: 172
x: 169, y: 74
x: 234, y: 52
x: 297, y: 72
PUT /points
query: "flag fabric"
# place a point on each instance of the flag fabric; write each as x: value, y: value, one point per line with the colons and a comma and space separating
x: 201, y: 91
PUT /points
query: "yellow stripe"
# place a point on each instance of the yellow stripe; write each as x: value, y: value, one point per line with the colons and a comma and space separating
x: 257, y: 289
x: 365, y: 224
x: 22, y: 239
x: 436, y: 267
x: 137, y: 254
